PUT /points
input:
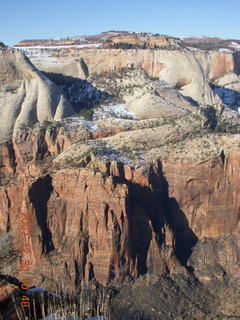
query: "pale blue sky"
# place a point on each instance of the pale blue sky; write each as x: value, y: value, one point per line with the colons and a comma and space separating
x: 34, y: 19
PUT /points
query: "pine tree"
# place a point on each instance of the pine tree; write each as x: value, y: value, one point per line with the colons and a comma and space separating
x: 2, y: 45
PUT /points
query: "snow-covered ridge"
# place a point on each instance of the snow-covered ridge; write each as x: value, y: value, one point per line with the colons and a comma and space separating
x: 42, y: 54
x: 77, y: 46
x: 113, y: 111
x: 235, y: 45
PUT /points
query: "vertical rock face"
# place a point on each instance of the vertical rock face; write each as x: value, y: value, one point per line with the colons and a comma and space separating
x: 218, y: 64
x: 119, y: 221
x: 208, y: 195
x: 26, y: 96
x: 179, y: 68
x: 218, y: 194
x: 93, y: 212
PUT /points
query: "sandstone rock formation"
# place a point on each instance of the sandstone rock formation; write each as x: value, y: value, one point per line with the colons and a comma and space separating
x: 179, y: 68
x: 138, y: 40
x: 146, y: 202
x: 144, y: 96
x: 93, y: 191
x: 7, y: 289
x: 26, y: 96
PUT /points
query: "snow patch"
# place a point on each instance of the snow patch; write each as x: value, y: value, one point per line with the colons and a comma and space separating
x: 235, y: 45
x: 194, y: 49
x: 113, y: 111
x: 38, y: 55
x: 225, y: 50
x: 77, y: 46
x: 42, y: 54
x: 76, y: 122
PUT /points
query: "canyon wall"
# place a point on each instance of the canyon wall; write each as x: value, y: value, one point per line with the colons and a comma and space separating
x: 218, y: 64
x: 190, y: 72
x: 179, y: 68
x: 116, y: 222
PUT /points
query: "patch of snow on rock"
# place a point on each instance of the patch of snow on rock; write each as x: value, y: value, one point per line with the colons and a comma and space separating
x: 113, y: 111
x: 193, y: 49
x: 76, y: 122
x: 235, y: 45
x: 78, y: 46
x: 224, y: 50
x: 36, y: 54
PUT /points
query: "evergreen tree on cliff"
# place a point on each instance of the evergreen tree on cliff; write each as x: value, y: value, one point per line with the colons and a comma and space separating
x: 2, y: 45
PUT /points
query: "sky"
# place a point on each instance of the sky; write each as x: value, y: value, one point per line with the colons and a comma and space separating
x: 43, y: 19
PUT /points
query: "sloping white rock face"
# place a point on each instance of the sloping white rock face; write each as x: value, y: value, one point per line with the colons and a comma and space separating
x: 180, y: 68
x: 183, y: 71
x: 26, y: 95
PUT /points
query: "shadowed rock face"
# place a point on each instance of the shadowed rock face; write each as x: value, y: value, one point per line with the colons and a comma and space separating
x: 114, y: 221
x: 119, y: 199
x: 26, y: 96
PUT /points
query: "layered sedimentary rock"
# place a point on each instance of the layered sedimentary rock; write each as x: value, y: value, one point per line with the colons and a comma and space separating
x: 179, y: 68
x: 114, y: 199
x: 26, y: 96
x: 217, y: 64
x: 190, y: 72
x: 88, y: 216
x: 145, y: 97
x: 149, y: 41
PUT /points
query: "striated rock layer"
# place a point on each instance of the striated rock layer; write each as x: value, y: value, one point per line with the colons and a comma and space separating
x: 150, y: 202
x: 105, y: 220
x: 179, y: 68
x: 26, y: 95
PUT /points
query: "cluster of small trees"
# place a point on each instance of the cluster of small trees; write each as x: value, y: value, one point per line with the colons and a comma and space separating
x: 123, y: 45
x: 2, y: 45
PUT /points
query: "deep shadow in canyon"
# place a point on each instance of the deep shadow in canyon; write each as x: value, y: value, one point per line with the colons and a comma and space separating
x: 151, y: 208
x: 39, y: 194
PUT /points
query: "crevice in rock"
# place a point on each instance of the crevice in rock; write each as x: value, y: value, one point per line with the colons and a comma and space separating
x: 152, y: 208
x: 39, y: 194
x: 116, y: 232
x: 42, y: 148
x: 77, y: 273
x: 185, y: 238
x: 106, y: 209
x: 236, y: 59
x: 222, y: 156
x: 143, y: 214
x: 84, y: 67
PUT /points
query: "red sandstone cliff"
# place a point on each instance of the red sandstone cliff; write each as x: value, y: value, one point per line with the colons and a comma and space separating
x: 118, y: 221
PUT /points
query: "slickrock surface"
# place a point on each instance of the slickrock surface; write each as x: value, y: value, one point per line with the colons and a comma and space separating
x: 179, y: 68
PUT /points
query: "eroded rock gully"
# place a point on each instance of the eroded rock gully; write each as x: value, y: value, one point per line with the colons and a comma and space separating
x: 116, y: 221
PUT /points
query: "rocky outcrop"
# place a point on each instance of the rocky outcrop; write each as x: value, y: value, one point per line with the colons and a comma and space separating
x: 7, y: 308
x: 138, y: 40
x: 218, y: 64
x: 114, y: 200
x: 145, y: 97
x: 87, y: 215
x: 26, y: 96
x: 163, y: 64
